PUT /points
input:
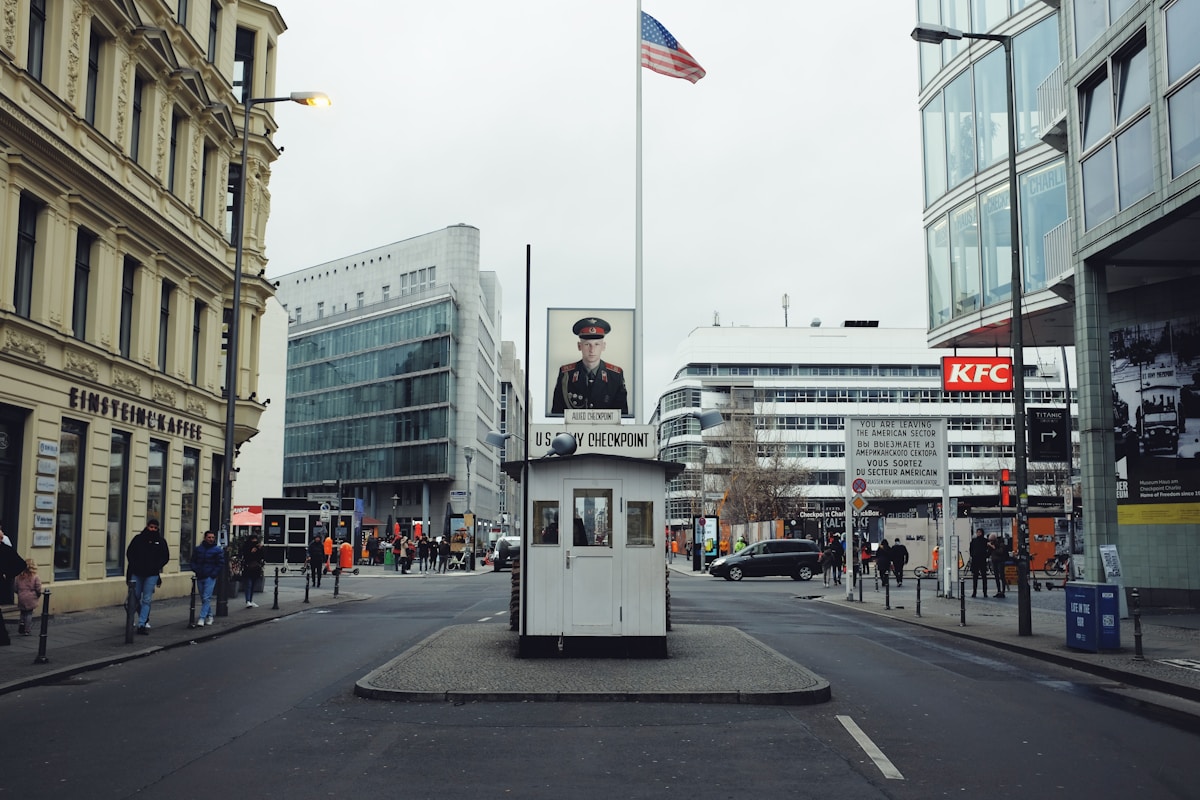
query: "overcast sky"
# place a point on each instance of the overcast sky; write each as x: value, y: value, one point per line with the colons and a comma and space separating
x: 792, y: 168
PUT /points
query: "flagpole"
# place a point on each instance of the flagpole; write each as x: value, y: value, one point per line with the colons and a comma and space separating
x: 639, y: 369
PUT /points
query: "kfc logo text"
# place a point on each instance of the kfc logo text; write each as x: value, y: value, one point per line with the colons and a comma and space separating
x: 977, y: 374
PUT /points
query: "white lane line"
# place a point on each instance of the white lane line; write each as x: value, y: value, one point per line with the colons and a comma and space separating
x: 885, y: 766
x: 483, y: 619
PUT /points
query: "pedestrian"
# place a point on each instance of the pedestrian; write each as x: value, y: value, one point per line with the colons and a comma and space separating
x: 883, y: 560
x: 327, y: 546
x: 740, y: 544
x: 899, y: 556
x: 837, y: 559
x: 208, y: 560
x: 998, y: 554
x: 978, y: 552
x: 6, y: 595
x: 374, y: 550
x: 316, y: 559
x: 826, y: 562
x: 397, y: 552
x: 253, y: 559
x: 865, y: 558
x: 443, y: 554
x: 4, y: 537
x: 423, y: 553
x: 410, y: 552
x: 28, y: 587
x: 146, y: 556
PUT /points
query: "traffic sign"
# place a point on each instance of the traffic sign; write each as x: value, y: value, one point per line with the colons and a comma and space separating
x: 859, y: 486
x: 1049, y: 434
x: 859, y: 502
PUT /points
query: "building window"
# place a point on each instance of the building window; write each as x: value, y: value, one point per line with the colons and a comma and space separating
x: 93, y: 77
x: 320, y: 310
x: 1117, y: 167
x: 960, y: 130
x: 199, y: 311
x: 214, y: 19
x: 83, y: 272
x: 135, y: 117
x: 173, y: 153
x: 118, y: 490
x: 156, y: 484
x: 72, y: 449
x: 164, y: 324
x: 27, y: 222
x: 1043, y: 207
x: 189, y: 497
x: 233, y: 201
x: 387, y: 291
x: 937, y: 248
x: 37, y: 38
x: 1183, y: 99
x: 1093, y: 18
x: 128, y: 276
x: 181, y: 15
x: 358, y: 300
x: 243, y: 65
x: 1035, y: 56
x: 207, y: 160
x: 991, y: 109
x: 995, y: 250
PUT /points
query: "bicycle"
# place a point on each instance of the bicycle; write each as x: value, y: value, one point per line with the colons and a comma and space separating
x: 929, y: 572
x: 1056, y: 565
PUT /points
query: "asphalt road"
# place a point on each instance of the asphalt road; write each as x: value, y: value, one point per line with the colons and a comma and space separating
x: 270, y: 712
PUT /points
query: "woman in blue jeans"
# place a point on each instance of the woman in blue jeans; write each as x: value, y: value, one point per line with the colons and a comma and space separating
x: 208, y: 559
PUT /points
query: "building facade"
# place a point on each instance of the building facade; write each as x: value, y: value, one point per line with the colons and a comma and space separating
x: 120, y: 142
x: 394, y: 379
x: 785, y: 394
x: 1110, y: 140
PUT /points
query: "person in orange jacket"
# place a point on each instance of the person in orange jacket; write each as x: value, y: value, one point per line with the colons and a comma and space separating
x: 328, y: 551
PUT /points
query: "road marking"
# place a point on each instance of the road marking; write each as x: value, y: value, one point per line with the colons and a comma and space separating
x: 885, y: 766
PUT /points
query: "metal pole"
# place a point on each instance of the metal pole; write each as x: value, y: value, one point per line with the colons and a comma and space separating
x: 1137, y: 625
x: 192, y: 605
x: 919, y: 581
x: 275, y: 605
x: 42, y: 635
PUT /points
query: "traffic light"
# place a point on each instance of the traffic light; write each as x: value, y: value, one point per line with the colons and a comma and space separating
x: 1005, y: 483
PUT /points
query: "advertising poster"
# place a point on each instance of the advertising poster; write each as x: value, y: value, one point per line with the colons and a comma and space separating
x: 589, y: 358
x: 1156, y: 420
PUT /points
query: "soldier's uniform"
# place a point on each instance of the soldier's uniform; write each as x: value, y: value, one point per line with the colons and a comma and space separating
x: 603, y: 387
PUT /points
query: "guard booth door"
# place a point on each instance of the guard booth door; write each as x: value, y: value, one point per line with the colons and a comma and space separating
x: 592, y: 585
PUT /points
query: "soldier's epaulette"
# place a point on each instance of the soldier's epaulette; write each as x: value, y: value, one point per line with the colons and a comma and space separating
x: 567, y: 368
x: 613, y: 368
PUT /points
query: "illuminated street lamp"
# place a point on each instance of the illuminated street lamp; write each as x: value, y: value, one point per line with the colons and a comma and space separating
x: 936, y: 34
x: 231, y: 347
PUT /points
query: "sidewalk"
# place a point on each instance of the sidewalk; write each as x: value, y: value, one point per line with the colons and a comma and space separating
x: 83, y: 640
x: 1170, y: 641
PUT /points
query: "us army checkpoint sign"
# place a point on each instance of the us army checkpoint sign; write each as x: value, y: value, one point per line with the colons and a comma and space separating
x: 897, y: 452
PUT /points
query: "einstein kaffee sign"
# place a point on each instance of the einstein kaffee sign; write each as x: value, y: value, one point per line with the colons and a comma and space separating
x: 896, y: 453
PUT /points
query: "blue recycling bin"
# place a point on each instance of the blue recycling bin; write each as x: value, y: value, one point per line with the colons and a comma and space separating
x: 1093, y: 616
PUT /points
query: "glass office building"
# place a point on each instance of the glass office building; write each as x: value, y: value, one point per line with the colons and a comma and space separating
x: 393, y: 371
x: 1108, y: 129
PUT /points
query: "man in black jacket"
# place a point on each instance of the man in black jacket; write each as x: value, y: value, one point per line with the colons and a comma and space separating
x: 978, y: 553
x: 146, y: 556
x: 899, y: 555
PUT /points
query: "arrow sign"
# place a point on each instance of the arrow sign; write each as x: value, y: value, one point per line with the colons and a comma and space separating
x: 1049, y: 434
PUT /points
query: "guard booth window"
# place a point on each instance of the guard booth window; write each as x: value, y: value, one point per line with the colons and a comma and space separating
x: 545, y: 523
x: 592, y: 523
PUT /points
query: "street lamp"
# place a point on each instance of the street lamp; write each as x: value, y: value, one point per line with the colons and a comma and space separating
x: 231, y: 347
x: 936, y: 34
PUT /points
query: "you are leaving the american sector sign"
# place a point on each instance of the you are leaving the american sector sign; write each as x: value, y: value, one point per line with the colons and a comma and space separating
x: 896, y: 452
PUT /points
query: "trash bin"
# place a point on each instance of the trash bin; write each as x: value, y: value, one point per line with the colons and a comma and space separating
x: 388, y: 559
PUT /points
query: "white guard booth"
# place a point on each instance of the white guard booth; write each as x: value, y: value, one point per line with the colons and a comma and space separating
x: 593, y: 566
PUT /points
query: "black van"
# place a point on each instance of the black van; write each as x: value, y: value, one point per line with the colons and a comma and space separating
x: 798, y: 558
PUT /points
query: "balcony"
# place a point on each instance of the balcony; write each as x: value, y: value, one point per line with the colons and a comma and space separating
x: 1052, y: 108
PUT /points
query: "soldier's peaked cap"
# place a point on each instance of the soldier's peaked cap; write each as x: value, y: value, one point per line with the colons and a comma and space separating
x: 591, y: 328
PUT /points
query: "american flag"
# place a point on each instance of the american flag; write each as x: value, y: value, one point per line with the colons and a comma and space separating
x: 662, y: 53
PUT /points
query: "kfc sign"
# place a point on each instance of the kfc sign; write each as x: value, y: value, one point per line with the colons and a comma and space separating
x: 977, y: 374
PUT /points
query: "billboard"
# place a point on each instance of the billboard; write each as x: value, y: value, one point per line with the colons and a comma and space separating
x: 589, y: 359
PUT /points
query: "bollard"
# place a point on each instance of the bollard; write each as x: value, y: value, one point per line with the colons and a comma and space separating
x: 41, y: 655
x: 887, y: 596
x: 1137, y: 626
x: 307, y: 583
x: 919, y: 582
x: 192, y: 607
x: 275, y: 605
x: 962, y: 603
x: 337, y: 574
x: 131, y: 608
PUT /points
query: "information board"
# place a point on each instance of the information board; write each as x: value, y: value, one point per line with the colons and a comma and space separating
x: 896, y: 452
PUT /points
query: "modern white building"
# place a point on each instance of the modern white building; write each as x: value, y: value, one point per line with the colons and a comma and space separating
x: 394, y: 381
x: 785, y: 394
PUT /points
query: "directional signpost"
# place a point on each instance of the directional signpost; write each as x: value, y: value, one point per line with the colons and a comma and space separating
x: 1049, y: 436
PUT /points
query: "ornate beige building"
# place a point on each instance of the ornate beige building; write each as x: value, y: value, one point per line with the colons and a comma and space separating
x: 120, y: 146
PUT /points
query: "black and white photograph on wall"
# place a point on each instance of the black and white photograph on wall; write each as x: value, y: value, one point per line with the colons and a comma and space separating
x: 589, y: 353
x: 1156, y: 410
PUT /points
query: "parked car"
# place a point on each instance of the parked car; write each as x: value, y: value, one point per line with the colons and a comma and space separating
x: 796, y: 558
x: 508, y: 550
